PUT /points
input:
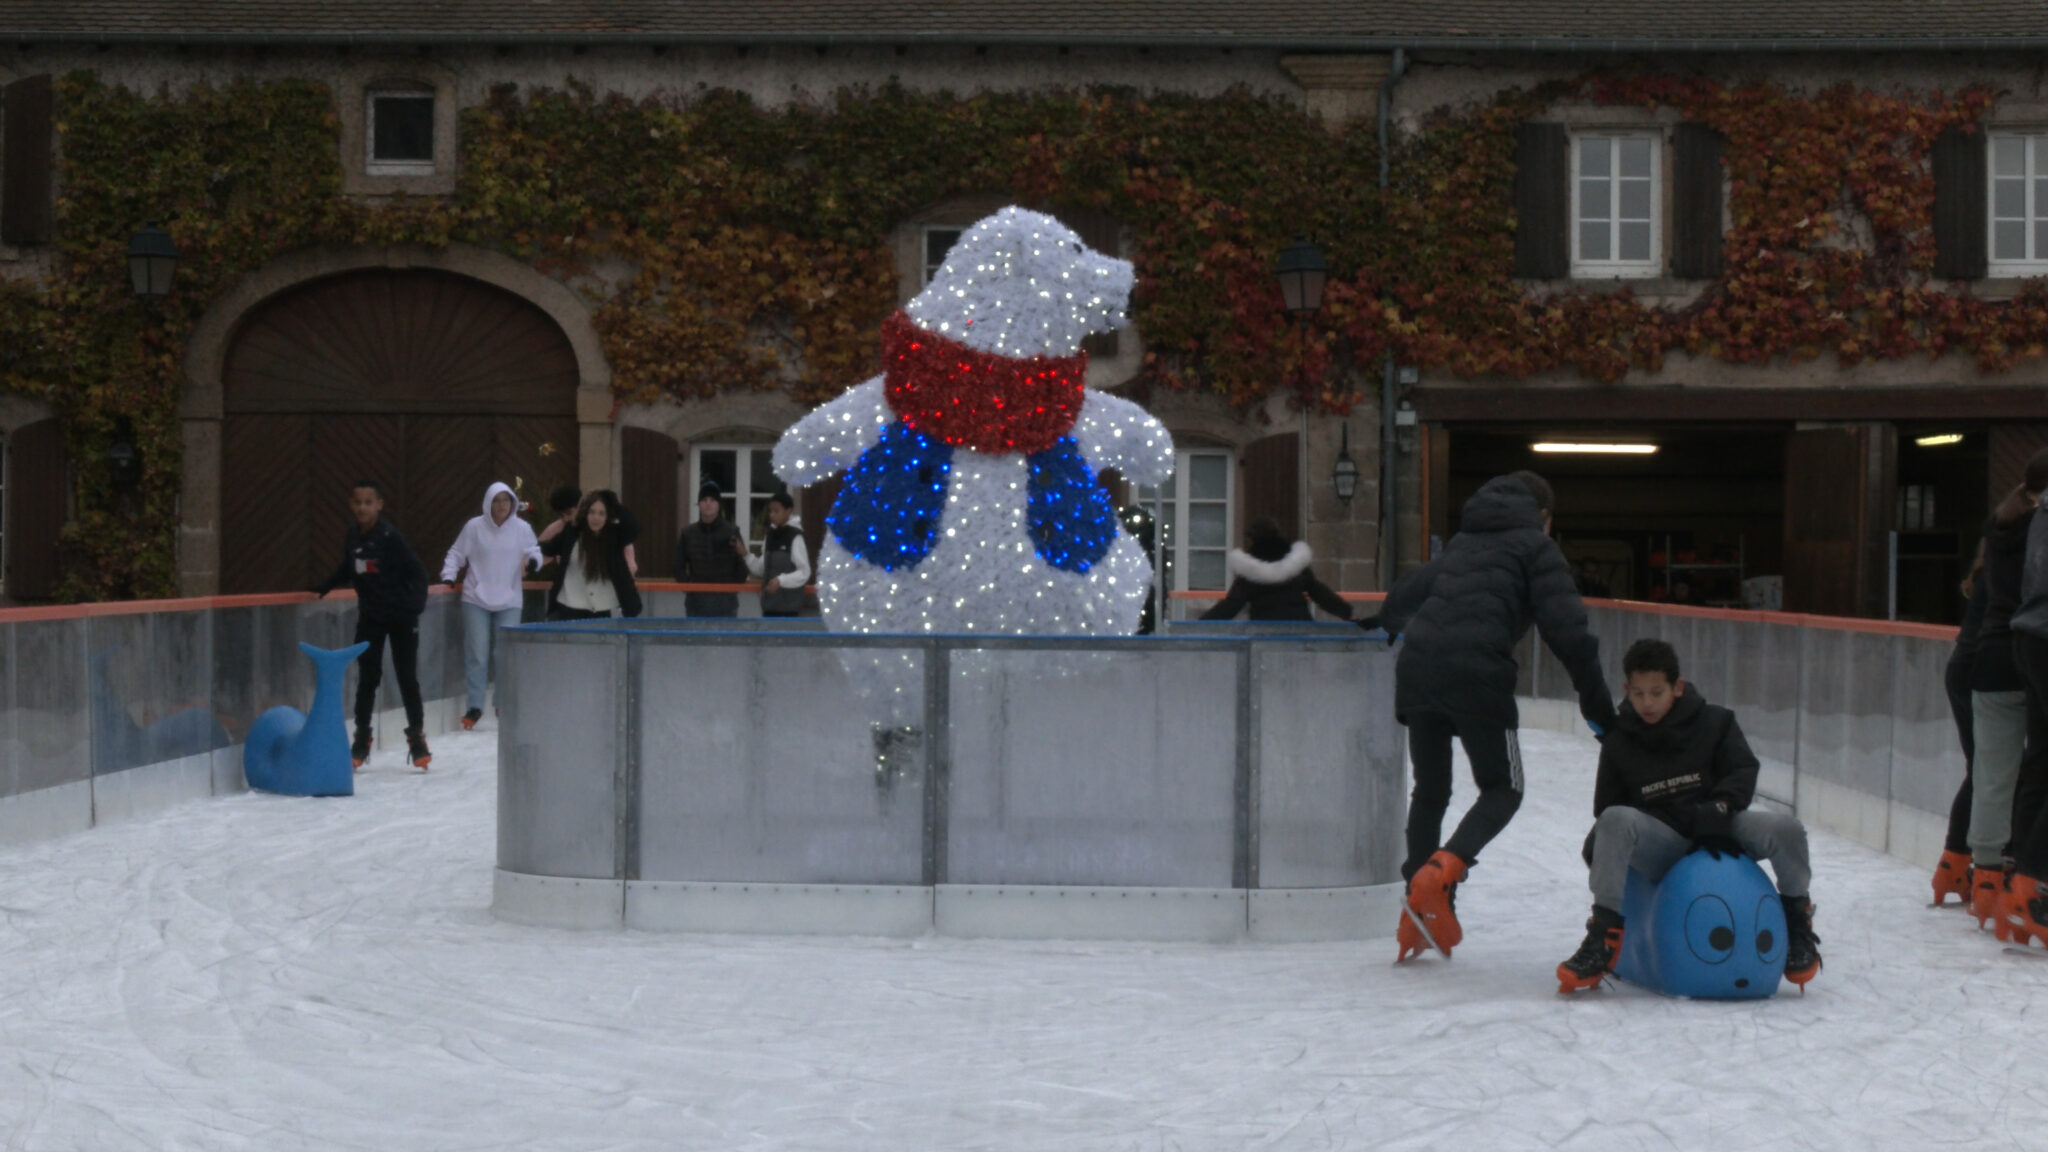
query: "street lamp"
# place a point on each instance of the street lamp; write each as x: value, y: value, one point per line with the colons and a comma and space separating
x: 152, y: 258
x: 1301, y: 273
x: 1345, y: 473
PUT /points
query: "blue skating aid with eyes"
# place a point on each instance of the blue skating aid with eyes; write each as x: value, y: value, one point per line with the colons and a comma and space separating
x: 1712, y: 929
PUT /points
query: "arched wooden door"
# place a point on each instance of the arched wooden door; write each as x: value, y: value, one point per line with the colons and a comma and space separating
x: 431, y: 384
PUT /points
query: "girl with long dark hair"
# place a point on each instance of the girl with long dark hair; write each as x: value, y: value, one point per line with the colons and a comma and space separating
x: 594, y: 578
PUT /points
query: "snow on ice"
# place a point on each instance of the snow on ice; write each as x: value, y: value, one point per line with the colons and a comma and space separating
x: 272, y: 974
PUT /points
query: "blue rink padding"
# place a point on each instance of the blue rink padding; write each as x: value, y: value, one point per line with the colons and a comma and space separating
x: 298, y: 753
x: 1712, y: 929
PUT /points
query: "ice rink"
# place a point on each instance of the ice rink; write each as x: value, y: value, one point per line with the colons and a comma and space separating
x: 270, y: 974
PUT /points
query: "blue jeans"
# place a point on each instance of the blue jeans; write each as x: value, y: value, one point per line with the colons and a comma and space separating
x: 479, y: 640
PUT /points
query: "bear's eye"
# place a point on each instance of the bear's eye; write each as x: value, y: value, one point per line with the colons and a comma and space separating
x: 1764, y: 940
x: 1077, y: 245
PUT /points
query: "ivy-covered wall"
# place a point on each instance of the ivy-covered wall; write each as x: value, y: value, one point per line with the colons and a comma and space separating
x: 757, y: 241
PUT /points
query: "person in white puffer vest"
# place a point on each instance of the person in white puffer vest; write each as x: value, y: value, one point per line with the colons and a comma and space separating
x: 490, y: 559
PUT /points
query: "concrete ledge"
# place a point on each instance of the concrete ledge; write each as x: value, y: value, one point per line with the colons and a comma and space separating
x: 1047, y: 913
x: 557, y: 902
x: 1551, y: 715
x: 1916, y: 835
x: 228, y: 777
x: 46, y: 813
x: 1215, y: 915
x: 1287, y: 915
x: 779, y: 909
x: 150, y: 789
x: 1845, y: 811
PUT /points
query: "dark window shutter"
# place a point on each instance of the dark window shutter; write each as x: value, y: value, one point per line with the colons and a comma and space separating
x: 38, y: 485
x: 647, y: 485
x: 1959, y: 207
x: 1272, y: 482
x: 1542, y: 201
x: 26, y: 208
x: 1696, y: 203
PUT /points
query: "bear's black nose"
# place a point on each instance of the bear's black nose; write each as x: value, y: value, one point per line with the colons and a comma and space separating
x: 1742, y: 983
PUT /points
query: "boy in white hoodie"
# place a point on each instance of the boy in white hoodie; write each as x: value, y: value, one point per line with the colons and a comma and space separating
x: 497, y: 548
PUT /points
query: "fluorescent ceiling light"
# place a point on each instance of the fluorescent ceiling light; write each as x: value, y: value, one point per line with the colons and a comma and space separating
x: 1939, y: 441
x: 1601, y: 449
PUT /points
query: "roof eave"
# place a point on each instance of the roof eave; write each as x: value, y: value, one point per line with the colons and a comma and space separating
x: 949, y: 37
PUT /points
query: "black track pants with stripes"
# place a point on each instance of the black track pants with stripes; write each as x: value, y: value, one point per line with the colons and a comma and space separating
x: 1496, y: 767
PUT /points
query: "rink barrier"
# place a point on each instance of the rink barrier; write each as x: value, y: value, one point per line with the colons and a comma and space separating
x: 1849, y: 718
x: 113, y: 711
x: 730, y: 776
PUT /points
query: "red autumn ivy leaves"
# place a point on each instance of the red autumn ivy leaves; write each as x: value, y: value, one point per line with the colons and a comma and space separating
x: 729, y: 246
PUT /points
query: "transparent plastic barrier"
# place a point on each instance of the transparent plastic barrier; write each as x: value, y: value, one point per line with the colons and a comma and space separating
x: 1849, y: 719
x: 106, y: 691
x: 766, y: 753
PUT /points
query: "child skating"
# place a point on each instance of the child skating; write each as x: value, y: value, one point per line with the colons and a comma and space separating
x: 391, y: 592
x: 1462, y: 615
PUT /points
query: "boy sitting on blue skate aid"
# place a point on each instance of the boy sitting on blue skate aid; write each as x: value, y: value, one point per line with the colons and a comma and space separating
x: 1676, y: 775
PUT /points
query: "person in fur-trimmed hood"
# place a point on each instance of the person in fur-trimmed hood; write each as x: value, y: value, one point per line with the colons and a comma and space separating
x: 1272, y: 576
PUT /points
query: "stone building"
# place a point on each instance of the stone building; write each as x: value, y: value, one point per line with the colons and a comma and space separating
x: 437, y: 367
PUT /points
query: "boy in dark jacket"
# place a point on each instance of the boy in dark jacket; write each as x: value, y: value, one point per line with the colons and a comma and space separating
x: 1462, y: 615
x: 706, y: 554
x: 391, y: 592
x: 1675, y: 775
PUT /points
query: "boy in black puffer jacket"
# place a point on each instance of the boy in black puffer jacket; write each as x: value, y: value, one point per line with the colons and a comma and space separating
x: 391, y: 592
x: 1675, y: 775
x: 1462, y: 615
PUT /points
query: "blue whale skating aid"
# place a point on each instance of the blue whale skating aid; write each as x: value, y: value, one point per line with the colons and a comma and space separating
x: 296, y: 753
x: 1712, y: 929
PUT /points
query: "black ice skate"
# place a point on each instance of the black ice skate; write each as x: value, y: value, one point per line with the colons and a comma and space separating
x: 416, y: 749
x: 359, y: 750
x: 1596, y: 955
x: 1802, y: 949
x: 470, y: 718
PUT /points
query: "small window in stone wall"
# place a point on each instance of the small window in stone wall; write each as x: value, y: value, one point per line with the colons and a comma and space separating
x: 937, y: 242
x: 401, y: 134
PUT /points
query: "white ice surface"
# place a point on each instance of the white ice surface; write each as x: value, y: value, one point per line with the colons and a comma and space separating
x: 266, y: 973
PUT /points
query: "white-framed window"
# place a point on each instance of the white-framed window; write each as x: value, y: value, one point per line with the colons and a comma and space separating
x: 1616, y: 190
x: 1195, y: 515
x: 937, y: 241
x: 745, y: 475
x: 399, y: 132
x: 2018, y: 244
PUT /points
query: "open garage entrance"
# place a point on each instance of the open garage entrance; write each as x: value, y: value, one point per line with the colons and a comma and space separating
x: 1870, y: 518
x: 430, y: 383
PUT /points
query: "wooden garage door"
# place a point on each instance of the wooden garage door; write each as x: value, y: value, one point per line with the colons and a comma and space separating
x: 430, y: 384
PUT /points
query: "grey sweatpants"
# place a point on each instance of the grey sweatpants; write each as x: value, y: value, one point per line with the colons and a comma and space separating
x: 1630, y: 837
x: 2000, y: 723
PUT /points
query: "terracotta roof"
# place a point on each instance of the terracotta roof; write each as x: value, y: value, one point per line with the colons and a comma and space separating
x: 1301, y: 25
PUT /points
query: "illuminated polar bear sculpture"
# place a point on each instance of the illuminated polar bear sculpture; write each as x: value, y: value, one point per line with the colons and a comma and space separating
x: 970, y: 503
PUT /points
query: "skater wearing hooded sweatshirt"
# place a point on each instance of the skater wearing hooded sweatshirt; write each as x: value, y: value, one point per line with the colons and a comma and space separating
x: 491, y: 557
x: 1462, y: 615
x: 391, y: 592
x: 1272, y: 577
